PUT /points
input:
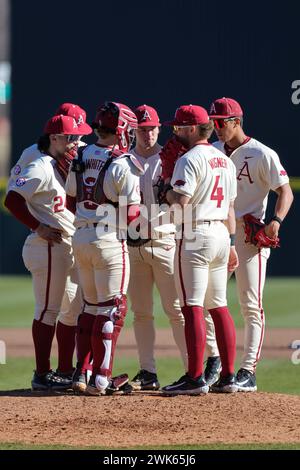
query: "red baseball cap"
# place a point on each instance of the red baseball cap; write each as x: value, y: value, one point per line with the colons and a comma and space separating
x: 189, y: 115
x: 67, y: 125
x: 75, y: 111
x: 147, y: 116
x: 225, y: 108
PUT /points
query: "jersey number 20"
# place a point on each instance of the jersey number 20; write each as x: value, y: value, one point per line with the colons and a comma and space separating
x: 217, y: 192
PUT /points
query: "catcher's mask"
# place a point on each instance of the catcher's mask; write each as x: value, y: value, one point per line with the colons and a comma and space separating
x: 118, y: 119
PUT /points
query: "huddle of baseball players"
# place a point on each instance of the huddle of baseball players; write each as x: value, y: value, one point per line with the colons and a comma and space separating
x: 125, y: 213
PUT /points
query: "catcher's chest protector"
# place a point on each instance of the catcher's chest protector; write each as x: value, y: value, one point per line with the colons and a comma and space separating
x: 93, y: 193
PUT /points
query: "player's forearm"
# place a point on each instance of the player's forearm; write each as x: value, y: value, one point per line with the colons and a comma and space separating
x: 176, y: 198
x: 231, y: 222
x: 16, y: 204
x: 284, y: 201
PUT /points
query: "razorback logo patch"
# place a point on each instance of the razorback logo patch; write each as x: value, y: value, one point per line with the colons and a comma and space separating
x: 283, y: 173
x: 20, y: 181
x: 17, y: 170
x: 179, y: 183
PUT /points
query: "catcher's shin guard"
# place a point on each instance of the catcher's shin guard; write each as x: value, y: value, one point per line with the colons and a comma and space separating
x: 105, y: 334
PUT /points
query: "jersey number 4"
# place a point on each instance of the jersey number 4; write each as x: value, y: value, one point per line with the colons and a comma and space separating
x: 217, y: 192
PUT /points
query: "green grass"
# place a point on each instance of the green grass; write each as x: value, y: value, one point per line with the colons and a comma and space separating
x: 273, y: 375
x: 281, y: 303
x: 21, y: 446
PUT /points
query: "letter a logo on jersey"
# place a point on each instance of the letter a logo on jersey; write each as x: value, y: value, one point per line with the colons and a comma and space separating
x: 244, y: 172
x: 146, y: 116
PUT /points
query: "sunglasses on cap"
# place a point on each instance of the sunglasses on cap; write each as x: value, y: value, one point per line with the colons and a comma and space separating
x: 70, y: 137
x: 221, y: 123
x: 176, y: 128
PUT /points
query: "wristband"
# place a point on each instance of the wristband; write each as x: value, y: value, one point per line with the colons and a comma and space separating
x: 277, y: 219
x: 232, y: 239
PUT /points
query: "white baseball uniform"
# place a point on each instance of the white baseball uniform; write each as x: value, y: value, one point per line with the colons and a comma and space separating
x: 149, y: 264
x: 101, y: 255
x: 36, y: 178
x: 208, y: 178
x: 258, y: 170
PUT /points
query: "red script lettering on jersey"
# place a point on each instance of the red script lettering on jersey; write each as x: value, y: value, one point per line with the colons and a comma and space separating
x: 218, y: 162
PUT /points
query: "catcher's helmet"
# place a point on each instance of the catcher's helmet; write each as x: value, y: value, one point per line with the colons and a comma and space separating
x: 118, y: 119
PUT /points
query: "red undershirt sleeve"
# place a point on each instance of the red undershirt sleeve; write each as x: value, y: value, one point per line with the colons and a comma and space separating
x: 71, y: 203
x: 16, y: 204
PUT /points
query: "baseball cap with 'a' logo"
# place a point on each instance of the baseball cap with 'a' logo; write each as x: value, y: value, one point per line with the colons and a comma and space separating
x: 66, y: 125
x: 225, y: 108
x: 147, y: 116
x: 189, y: 115
x: 75, y: 111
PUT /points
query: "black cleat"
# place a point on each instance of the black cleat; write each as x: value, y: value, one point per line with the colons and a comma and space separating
x: 187, y: 386
x: 49, y: 381
x: 225, y: 385
x: 246, y: 381
x: 145, y: 380
x: 212, y: 370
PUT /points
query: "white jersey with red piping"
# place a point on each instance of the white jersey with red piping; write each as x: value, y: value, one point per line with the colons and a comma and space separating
x: 40, y: 184
x: 121, y: 179
x: 208, y: 178
x: 258, y: 170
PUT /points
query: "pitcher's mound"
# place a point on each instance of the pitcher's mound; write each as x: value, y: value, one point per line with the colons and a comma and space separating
x: 149, y: 419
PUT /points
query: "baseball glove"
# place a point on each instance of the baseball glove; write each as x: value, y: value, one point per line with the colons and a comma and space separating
x: 169, y: 154
x: 119, y: 385
x: 162, y: 189
x: 255, y: 233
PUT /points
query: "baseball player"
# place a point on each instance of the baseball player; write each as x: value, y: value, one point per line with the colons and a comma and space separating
x: 154, y: 261
x: 37, y: 198
x: 32, y: 152
x: 72, y: 301
x: 258, y: 170
x: 105, y: 181
x: 204, y: 186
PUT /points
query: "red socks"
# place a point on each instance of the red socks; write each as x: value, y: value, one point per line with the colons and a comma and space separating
x: 42, y: 338
x: 65, y: 336
x: 226, y: 338
x: 195, y: 336
x: 84, y: 340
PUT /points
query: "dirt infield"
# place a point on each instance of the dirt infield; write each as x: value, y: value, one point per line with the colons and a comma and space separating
x: 149, y: 420
x: 276, y: 344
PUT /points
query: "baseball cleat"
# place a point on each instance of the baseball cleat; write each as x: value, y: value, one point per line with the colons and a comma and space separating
x: 66, y: 378
x: 91, y: 388
x: 186, y: 385
x: 145, y: 380
x: 246, y: 381
x: 212, y: 370
x: 225, y: 385
x: 79, y: 381
x: 48, y: 381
